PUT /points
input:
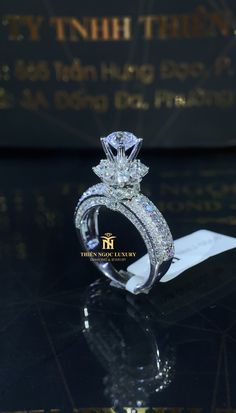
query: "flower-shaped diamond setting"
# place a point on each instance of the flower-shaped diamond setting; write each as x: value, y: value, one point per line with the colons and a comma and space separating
x: 121, y: 169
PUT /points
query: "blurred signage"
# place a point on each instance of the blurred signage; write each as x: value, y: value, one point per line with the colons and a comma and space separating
x: 72, y: 72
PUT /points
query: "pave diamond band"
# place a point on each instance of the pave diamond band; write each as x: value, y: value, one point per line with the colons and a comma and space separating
x: 120, y: 192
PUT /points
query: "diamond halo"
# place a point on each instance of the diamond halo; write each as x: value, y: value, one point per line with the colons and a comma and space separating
x: 121, y: 169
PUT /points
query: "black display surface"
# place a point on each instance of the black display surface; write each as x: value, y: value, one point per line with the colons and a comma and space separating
x: 72, y: 71
x: 68, y: 340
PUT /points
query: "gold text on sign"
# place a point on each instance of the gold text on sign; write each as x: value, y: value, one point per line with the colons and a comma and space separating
x: 202, y: 22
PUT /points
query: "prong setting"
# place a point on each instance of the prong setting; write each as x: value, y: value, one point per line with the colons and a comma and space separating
x: 121, y: 170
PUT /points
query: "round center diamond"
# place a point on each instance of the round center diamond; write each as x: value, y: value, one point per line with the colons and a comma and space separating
x: 118, y: 139
x: 121, y: 169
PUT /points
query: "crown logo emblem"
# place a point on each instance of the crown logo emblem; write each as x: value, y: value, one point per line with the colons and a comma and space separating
x: 108, y: 241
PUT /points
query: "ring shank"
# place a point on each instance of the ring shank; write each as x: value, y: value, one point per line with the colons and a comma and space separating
x: 89, y: 235
x: 88, y: 232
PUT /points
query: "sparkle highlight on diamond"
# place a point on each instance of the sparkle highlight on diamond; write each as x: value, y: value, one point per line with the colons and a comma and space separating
x: 121, y: 169
x: 125, y: 139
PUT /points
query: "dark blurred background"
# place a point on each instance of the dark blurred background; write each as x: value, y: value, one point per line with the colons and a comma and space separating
x: 70, y: 72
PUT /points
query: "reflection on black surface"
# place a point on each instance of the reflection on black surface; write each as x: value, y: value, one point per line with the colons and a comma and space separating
x: 45, y: 360
x: 137, y: 356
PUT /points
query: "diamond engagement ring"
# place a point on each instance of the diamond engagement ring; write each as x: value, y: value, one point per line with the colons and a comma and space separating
x: 119, y: 191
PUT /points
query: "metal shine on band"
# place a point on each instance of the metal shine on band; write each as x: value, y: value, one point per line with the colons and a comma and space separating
x: 121, y: 174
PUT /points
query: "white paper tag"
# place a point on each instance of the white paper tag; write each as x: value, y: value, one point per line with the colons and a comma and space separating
x: 189, y: 251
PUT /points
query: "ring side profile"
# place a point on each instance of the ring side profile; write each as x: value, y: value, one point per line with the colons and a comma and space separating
x: 119, y: 191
